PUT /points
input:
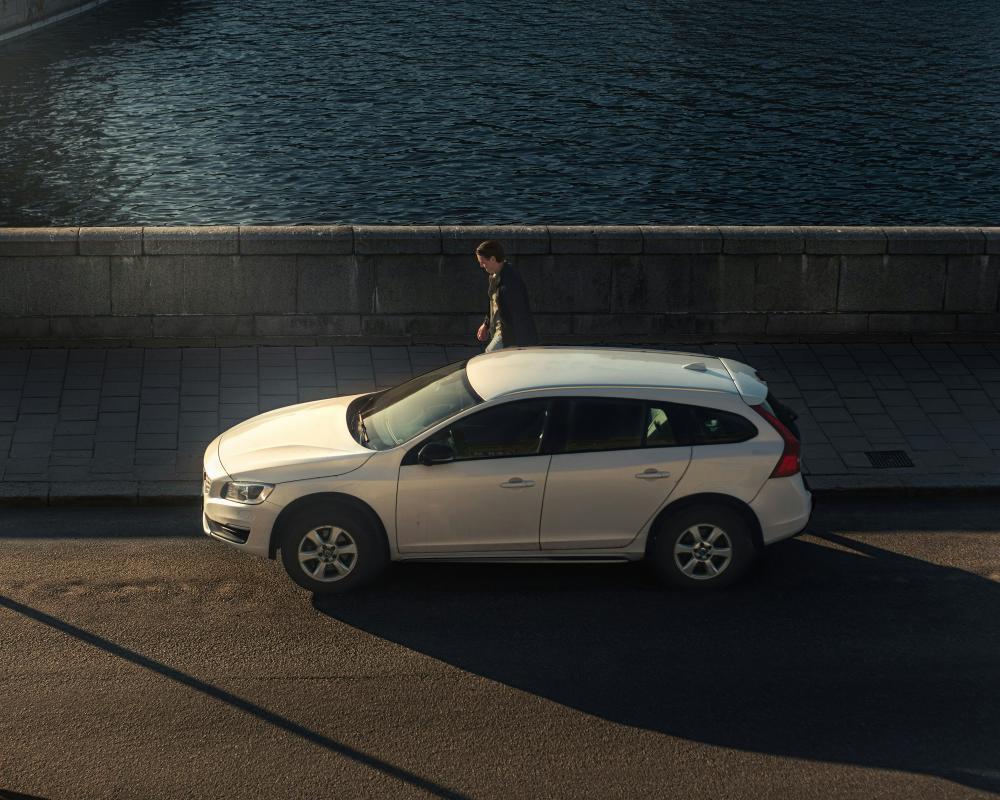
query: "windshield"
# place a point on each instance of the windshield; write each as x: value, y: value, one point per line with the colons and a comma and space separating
x: 398, y: 414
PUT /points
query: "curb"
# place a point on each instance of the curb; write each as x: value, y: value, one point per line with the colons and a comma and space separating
x: 186, y: 493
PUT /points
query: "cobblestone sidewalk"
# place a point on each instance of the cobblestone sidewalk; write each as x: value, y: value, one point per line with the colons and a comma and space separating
x: 133, y: 423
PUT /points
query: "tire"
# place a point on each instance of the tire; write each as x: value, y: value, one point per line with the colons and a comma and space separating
x: 350, y: 549
x: 689, y: 550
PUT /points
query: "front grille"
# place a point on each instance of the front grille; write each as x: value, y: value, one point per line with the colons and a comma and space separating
x: 228, y: 532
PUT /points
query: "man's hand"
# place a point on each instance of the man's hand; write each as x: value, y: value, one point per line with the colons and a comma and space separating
x: 483, y: 332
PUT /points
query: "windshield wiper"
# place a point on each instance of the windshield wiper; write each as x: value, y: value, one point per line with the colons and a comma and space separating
x: 362, y: 430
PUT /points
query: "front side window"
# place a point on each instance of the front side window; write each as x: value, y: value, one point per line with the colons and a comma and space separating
x: 511, y: 429
x: 397, y: 415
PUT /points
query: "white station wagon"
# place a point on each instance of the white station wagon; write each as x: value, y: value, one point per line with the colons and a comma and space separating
x: 541, y: 454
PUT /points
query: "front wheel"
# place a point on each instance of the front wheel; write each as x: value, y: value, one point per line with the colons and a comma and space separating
x: 702, y: 547
x: 332, y: 550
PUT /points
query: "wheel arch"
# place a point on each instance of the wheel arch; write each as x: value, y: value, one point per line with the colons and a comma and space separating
x: 710, y: 499
x: 323, y: 499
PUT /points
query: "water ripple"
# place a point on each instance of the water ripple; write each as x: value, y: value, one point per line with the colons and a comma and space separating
x: 239, y: 111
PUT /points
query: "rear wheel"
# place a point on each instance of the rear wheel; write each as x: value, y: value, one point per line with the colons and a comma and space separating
x: 702, y: 547
x: 332, y: 549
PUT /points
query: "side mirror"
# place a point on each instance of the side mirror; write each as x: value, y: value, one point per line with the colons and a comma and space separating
x: 435, y: 453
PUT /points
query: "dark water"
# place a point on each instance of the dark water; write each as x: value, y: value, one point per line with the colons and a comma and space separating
x: 389, y: 111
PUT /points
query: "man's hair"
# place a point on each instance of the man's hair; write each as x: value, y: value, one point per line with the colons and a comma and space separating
x: 491, y: 249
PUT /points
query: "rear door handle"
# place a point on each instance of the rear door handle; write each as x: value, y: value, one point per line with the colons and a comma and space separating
x: 517, y: 483
x: 652, y: 474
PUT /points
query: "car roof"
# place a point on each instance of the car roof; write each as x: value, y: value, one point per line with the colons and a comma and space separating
x: 524, y: 368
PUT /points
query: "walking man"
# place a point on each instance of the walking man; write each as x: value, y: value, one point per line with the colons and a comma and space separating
x: 508, y: 322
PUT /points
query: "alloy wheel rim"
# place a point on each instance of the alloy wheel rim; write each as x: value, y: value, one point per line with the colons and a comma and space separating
x: 703, y: 552
x: 327, y: 553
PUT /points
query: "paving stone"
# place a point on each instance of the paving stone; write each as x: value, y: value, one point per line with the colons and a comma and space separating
x: 278, y: 387
x: 239, y: 380
x: 120, y: 389
x: 970, y: 397
x: 819, y: 399
x: 874, y: 422
x: 939, y: 406
x: 196, y: 374
x: 78, y: 413
x: 157, y: 426
x: 968, y: 434
x: 200, y: 435
x: 979, y: 414
x: 116, y: 434
x: 155, y: 441
x: 834, y: 414
x: 239, y: 411
x: 228, y: 396
x: 974, y: 449
x: 952, y: 421
x: 888, y: 382
x: 164, y: 412
x: 200, y: 389
x: 825, y: 466
x: 159, y: 396
x: 886, y: 439
x: 814, y: 383
x: 863, y: 405
x: 202, y: 403
x: 119, y: 404
x: 309, y: 393
x: 895, y: 399
x: 927, y: 442
x: 929, y: 390
x: 73, y: 442
x: 960, y: 381
x: 271, y: 402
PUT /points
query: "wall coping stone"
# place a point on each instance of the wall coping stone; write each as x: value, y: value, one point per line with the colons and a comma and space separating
x: 517, y: 239
x: 595, y: 239
x: 833, y: 240
x: 38, y: 241
x: 389, y: 239
x: 204, y: 240
x: 758, y: 239
x: 111, y: 241
x: 935, y: 241
x: 992, y: 239
x: 681, y: 239
x: 296, y: 239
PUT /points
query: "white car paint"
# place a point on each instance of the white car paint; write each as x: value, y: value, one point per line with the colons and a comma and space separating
x: 464, y: 510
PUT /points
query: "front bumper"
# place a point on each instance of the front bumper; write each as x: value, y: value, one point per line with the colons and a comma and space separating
x: 245, y: 527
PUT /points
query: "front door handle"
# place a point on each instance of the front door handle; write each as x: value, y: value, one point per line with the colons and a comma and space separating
x: 517, y: 483
x: 652, y: 474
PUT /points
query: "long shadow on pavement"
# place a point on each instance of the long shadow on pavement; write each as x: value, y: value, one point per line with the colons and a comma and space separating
x: 835, y: 651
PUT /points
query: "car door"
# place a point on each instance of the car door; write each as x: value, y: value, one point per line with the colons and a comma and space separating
x: 616, y: 466
x: 490, y: 496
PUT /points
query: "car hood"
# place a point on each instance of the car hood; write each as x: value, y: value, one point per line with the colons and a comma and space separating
x: 309, y: 440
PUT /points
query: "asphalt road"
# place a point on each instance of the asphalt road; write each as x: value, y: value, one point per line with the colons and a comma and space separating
x: 140, y: 661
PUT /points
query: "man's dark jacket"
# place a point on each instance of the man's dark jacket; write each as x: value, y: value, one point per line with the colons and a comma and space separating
x: 516, y: 321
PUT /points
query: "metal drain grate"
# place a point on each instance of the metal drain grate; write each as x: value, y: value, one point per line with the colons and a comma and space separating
x: 888, y: 459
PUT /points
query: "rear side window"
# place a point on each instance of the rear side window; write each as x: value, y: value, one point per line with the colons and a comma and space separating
x: 600, y: 424
x: 662, y: 425
x: 711, y: 426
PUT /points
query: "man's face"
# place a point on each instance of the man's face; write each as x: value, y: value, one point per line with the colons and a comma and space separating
x: 491, y: 265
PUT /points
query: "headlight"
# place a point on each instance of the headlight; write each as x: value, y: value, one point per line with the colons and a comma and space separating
x: 250, y: 493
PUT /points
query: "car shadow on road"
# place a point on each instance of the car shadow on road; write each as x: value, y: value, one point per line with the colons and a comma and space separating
x: 834, y: 650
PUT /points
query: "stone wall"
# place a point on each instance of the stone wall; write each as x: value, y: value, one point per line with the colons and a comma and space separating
x: 389, y: 284
x: 18, y: 17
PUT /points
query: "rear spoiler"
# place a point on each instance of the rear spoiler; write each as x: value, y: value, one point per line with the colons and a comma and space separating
x: 751, y: 388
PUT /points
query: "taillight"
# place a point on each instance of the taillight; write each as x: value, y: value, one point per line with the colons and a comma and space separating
x: 790, y: 462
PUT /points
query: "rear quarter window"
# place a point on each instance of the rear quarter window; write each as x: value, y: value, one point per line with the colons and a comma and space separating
x: 711, y: 426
